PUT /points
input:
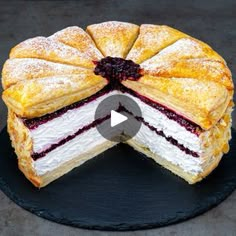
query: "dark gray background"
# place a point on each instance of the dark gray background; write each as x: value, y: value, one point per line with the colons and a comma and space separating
x: 211, y: 21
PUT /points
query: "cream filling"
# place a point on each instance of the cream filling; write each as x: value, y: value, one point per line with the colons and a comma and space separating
x: 67, y: 124
x: 91, y: 138
x: 70, y: 150
x: 160, y: 146
x: 170, y: 128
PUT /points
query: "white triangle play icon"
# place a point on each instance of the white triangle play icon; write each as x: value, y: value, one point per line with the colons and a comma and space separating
x: 117, y: 118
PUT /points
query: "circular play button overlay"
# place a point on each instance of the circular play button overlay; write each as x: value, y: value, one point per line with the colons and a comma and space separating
x: 120, y: 118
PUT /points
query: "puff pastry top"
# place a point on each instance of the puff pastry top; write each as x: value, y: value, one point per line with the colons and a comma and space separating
x: 44, y: 74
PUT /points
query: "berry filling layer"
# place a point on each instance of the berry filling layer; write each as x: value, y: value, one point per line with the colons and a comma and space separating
x: 116, y: 69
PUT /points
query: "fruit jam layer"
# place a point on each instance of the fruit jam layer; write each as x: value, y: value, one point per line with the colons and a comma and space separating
x: 116, y: 69
x: 188, y: 125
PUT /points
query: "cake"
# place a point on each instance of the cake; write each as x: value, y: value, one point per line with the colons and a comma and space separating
x: 53, y: 85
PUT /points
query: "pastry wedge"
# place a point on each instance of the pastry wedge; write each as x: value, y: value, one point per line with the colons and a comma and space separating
x: 51, y: 50
x: 21, y: 69
x: 114, y: 38
x: 151, y: 40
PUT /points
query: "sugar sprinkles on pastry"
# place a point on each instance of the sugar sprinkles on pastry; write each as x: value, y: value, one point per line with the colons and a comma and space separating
x: 52, y: 86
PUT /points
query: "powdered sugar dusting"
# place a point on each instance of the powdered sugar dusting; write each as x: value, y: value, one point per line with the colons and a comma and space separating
x: 111, y: 25
x: 151, y: 39
x: 113, y: 38
x: 56, y: 82
x: 18, y: 69
x: 76, y: 37
x: 44, y: 89
x: 210, y: 70
x: 49, y: 49
x: 184, y: 48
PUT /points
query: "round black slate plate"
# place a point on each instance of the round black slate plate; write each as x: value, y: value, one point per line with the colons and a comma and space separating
x: 119, y: 190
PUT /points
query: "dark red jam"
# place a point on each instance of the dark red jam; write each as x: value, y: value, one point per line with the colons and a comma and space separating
x: 116, y: 69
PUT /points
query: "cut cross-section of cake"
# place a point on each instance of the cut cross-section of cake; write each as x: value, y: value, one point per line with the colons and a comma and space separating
x: 52, y: 87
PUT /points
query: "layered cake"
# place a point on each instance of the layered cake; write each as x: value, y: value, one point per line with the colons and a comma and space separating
x: 53, y: 85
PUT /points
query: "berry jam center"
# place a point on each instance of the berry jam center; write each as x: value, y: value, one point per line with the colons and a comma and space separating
x: 116, y: 69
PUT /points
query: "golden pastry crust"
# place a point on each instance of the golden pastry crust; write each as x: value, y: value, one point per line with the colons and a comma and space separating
x: 114, y: 38
x: 152, y: 39
x: 23, y: 145
x: 184, y: 48
x: 216, y: 140
x: 197, y: 68
x: 37, y: 97
x: 77, y: 38
x: 176, y: 55
x: 51, y: 50
x: 20, y: 69
x: 201, y: 101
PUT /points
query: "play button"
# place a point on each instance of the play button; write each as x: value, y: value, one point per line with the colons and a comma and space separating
x: 118, y: 118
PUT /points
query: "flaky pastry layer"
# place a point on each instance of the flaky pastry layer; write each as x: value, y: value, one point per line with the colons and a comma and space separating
x: 37, y: 97
x: 202, y: 101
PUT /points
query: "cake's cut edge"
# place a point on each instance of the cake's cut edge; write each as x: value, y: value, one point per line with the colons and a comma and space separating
x: 23, y: 146
x: 177, y: 170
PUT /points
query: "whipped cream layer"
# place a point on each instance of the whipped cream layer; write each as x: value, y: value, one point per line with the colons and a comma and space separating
x: 161, y: 147
x: 55, y: 130
x: 169, y: 127
x: 78, y: 146
x: 91, y: 138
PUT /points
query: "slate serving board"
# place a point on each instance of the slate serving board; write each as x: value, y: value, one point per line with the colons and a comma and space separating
x: 120, y: 189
